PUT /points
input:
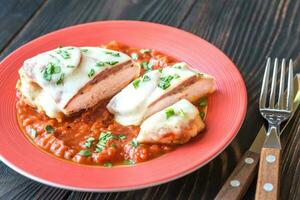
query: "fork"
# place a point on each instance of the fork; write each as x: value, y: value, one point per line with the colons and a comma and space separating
x: 268, y: 176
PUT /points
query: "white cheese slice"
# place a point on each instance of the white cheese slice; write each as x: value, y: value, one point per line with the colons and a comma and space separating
x: 62, y: 72
x: 131, y: 105
x: 176, y: 124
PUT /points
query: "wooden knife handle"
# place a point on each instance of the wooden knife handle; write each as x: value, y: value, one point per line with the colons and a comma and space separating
x: 238, y: 182
x: 268, y: 176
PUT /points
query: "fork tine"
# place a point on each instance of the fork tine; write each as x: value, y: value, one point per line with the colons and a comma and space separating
x: 281, y: 85
x: 290, y: 88
x: 264, y: 87
x: 273, y: 87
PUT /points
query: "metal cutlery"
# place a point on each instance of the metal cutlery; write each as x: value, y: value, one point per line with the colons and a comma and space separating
x: 238, y: 182
x: 268, y: 175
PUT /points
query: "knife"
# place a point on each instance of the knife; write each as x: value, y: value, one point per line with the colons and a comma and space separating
x: 240, y: 179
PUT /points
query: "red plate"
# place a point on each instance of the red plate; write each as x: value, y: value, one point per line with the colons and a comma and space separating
x: 227, y: 108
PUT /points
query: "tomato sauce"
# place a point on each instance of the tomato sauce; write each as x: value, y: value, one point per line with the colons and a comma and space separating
x: 77, y: 138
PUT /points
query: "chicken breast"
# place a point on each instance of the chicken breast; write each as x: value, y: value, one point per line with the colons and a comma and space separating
x: 176, y: 124
x: 69, y: 79
x: 157, y: 90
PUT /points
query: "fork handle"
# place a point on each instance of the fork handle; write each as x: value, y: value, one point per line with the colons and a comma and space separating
x: 268, y: 176
x: 240, y: 179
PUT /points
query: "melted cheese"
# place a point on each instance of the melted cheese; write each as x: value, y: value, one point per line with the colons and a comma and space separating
x: 130, y: 105
x: 179, y: 127
x: 71, y: 69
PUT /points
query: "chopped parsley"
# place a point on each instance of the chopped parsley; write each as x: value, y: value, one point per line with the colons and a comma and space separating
x: 88, y: 143
x: 103, y: 139
x: 63, y: 53
x: 70, y: 66
x: 136, y: 83
x: 115, y: 54
x: 176, y: 76
x: 147, y: 66
x: 178, y: 67
x: 112, y: 62
x: 203, y: 102
x: 199, y: 74
x: 145, y: 51
x: 107, y: 164
x: 160, y: 70
x: 134, y: 56
x: 202, y: 115
x: 146, y: 78
x: 169, y: 112
x: 85, y: 152
x: 84, y: 50
x: 91, y: 73
x: 122, y: 137
x: 134, y: 143
x: 100, y: 64
x: 50, y: 69
x: 49, y: 129
x: 128, y: 162
x: 181, y: 113
x: 165, y: 82
x: 61, y: 79
x: 33, y: 133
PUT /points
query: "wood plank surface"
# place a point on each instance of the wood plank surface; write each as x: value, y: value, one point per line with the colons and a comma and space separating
x: 14, y: 15
x: 247, y: 31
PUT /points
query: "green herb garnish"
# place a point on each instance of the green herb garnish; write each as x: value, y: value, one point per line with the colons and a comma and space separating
x: 84, y: 50
x: 178, y: 67
x: 134, y: 56
x: 63, y: 53
x: 107, y: 164
x: 100, y: 64
x: 50, y: 70
x: 49, y: 129
x: 145, y: 51
x: 88, y: 143
x: 147, y: 66
x: 160, y: 70
x: 122, y: 137
x: 146, y: 78
x: 169, y: 112
x: 112, y: 62
x: 165, y: 82
x: 128, y: 162
x: 203, y: 102
x: 103, y: 139
x: 202, y: 114
x: 176, y: 76
x: 91, y: 73
x: 136, y: 83
x: 134, y: 143
x: 85, y: 152
x: 181, y: 113
x: 115, y: 54
x: 33, y: 133
x: 70, y: 66
x: 61, y: 79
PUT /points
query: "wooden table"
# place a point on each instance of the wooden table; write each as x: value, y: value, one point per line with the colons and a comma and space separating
x: 247, y: 31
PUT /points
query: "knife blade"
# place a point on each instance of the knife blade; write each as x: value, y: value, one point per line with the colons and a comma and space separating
x: 239, y: 181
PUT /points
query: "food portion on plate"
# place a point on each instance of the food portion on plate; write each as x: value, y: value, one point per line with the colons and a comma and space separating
x: 110, y: 105
x: 158, y: 89
x: 69, y: 79
x: 176, y: 124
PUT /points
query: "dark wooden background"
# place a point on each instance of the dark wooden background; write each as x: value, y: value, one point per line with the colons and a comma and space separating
x: 246, y: 30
